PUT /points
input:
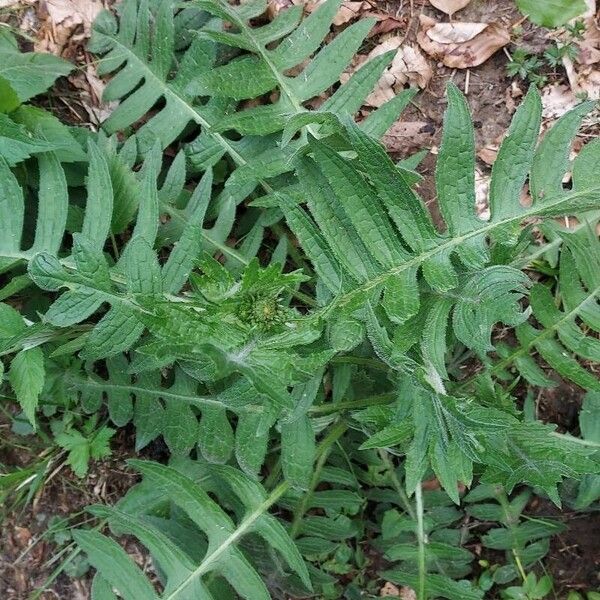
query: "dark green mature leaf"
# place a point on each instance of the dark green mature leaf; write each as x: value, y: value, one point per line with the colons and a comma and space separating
x: 105, y: 554
x: 371, y: 253
x: 589, y: 423
x: 202, y: 95
x: 568, y: 322
x: 223, y: 357
x: 223, y: 557
x: 29, y: 73
x: 437, y: 586
x: 26, y: 377
x: 298, y: 452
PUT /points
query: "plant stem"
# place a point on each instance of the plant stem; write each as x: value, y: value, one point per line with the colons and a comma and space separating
x: 358, y: 360
x: 295, y: 255
x: 505, y: 504
x: 404, y: 500
x: 421, y: 539
x: 209, y: 561
x: 334, y: 407
x: 273, y: 475
x: 322, y: 453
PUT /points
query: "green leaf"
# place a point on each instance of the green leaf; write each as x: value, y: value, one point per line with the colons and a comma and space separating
x: 173, y: 561
x: 148, y: 415
x: 325, y: 68
x: 11, y: 210
x: 455, y: 178
x: 216, y: 524
x: 45, y: 126
x: 298, y: 452
x: 250, y: 442
x: 180, y: 427
x: 29, y: 73
x: 142, y: 268
x: 551, y: 13
x: 511, y: 168
x: 81, y: 448
x: 215, y: 435
x: 187, y: 250
x: 26, y: 376
x: 101, y: 589
x: 241, y: 79
x: 11, y: 322
x: 437, y: 586
x: 9, y: 100
x: 53, y: 205
x: 98, y: 212
x: 551, y: 160
x: 113, y: 563
x: 589, y: 423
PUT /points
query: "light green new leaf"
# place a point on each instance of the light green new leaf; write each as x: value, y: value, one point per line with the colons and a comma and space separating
x: 551, y: 13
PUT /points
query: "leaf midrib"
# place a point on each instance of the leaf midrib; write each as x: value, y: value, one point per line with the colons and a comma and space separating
x: 533, y: 211
x: 167, y: 91
x: 165, y: 394
x: 245, y: 526
x: 547, y: 331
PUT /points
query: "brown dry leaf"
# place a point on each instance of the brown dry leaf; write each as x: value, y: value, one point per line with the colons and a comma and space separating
x: 407, y: 593
x: 557, y: 99
x: 488, y: 154
x: 588, y: 80
x: 583, y: 76
x: 431, y: 484
x: 482, y: 188
x: 584, y: 80
x: 589, y: 44
x: 449, y: 6
x: 68, y: 21
x: 455, y: 33
x: 385, y: 23
x: 409, y: 66
x: 389, y: 590
x: 513, y: 91
x: 23, y: 536
x: 274, y: 7
x: 65, y: 27
x: 403, y: 136
x: 349, y: 11
x: 461, y: 45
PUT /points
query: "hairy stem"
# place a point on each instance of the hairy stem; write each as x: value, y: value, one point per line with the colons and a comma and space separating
x: 359, y: 360
x: 323, y: 452
x: 404, y: 500
x: 510, y: 524
x: 334, y: 407
x: 421, y: 540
